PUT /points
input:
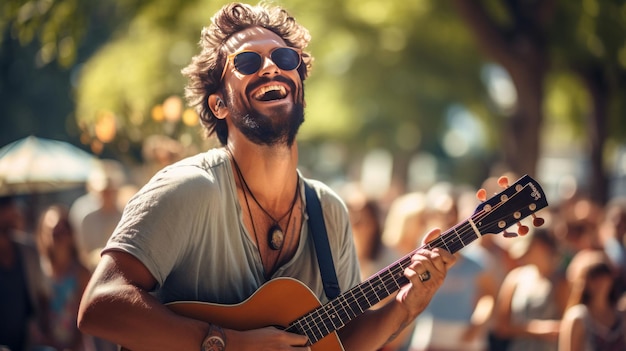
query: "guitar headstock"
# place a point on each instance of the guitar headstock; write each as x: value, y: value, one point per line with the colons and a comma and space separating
x: 522, y: 199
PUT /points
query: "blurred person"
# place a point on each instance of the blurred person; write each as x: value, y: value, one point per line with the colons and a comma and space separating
x: 532, y: 297
x: 402, y: 230
x: 592, y: 320
x: 159, y: 151
x: 96, y: 215
x: 577, y: 226
x: 67, y: 275
x: 405, y: 222
x: 613, y: 234
x: 366, y: 218
x: 23, y: 293
x: 457, y: 316
x: 217, y: 226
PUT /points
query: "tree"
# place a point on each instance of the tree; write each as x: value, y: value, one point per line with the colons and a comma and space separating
x: 387, y: 74
x: 531, y: 39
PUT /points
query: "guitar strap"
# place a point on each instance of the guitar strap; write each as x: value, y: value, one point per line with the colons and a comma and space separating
x: 317, y: 227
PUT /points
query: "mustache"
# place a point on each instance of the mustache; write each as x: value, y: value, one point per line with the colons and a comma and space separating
x: 265, y: 80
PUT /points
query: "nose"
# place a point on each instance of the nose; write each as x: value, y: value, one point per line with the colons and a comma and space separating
x: 268, y: 68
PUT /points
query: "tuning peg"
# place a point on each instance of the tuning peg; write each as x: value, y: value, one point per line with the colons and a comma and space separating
x: 503, y: 182
x: 509, y: 234
x: 522, y: 229
x: 538, y: 221
x: 481, y: 195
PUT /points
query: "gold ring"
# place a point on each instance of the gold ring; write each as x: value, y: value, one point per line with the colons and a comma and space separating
x: 424, y: 276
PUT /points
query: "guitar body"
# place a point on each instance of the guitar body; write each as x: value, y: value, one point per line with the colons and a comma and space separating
x: 276, y: 303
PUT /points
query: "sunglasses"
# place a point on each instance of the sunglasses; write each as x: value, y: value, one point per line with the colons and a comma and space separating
x: 249, y: 62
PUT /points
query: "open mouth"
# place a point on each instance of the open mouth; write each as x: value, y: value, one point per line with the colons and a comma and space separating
x: 271, y: 93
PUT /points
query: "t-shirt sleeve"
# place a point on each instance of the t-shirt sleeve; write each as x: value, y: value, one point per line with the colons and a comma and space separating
x: 156, y: 226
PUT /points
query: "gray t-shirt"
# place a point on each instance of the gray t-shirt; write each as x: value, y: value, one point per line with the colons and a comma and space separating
x: 185, y: 225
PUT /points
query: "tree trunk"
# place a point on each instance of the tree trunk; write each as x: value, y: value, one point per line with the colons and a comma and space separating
x: 598, y: 88
x: 521, y: 140
x: 520, y: 49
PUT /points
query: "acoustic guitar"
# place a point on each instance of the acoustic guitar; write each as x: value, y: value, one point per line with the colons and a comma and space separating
x: 290, y: 305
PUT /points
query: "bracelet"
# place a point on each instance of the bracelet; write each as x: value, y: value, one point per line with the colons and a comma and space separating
x: 215, y: 339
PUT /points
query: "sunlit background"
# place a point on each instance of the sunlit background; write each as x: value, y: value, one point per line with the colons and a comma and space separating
x: 403, y: 94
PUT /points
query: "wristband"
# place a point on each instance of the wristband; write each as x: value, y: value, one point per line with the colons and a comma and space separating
x: 215, y: 339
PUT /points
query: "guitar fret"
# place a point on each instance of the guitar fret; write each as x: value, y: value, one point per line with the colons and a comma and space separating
x: 308, y: 330
x: 458, y: 236
x: 375, y: 287
x: 444, y: 244
x: 299, y: 327
x: 367, y: 297
x: 335, y: 316
x: 328, y: 323
x: 342, y: 303
x: 383, y: 285
x: 317, y: 333
x: 398, y: 276
x: 315, y: 321
x: 453, y: 242
x: 356, y: 302
x: 321, y: 322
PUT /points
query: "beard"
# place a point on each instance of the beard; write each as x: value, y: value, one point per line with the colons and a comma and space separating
x: 279, y: 127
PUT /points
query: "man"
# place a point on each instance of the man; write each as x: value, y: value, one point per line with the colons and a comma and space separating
x: 216, y: 226
x: 96, y: 214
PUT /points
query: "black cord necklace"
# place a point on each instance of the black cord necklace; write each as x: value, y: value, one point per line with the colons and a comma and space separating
x: 275, y: 234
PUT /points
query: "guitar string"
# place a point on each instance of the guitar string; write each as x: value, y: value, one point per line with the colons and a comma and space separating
x: 386, y: 276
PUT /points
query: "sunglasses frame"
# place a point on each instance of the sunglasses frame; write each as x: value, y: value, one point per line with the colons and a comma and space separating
x: 230, y: 58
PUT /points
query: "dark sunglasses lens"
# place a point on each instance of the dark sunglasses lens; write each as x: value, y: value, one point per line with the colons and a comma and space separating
x: 286, y: 58
x: 247, y: 62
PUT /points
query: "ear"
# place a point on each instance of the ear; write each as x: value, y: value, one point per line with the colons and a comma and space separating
x: 217, y: 106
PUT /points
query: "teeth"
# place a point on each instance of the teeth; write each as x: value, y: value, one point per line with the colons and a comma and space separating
x: 264, y: 90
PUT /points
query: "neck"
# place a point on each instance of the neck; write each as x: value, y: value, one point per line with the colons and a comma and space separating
x: 269, y: 172
x: 600, y: 303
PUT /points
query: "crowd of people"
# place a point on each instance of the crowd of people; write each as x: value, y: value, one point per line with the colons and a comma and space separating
x: 560, y: 287
x: 46, y: 265
x: 221, y: 225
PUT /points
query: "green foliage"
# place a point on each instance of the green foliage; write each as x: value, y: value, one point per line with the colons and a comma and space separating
x: 385, y: 74
x: 57, y: 26
x: 375, y: 73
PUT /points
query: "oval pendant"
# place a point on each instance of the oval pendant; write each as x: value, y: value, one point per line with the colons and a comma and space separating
x: 275, y: 237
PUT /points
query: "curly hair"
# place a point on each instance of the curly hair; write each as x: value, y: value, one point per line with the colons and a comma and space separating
x: 204, y: 71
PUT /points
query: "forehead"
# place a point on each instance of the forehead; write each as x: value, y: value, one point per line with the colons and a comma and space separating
x: 253, y: 37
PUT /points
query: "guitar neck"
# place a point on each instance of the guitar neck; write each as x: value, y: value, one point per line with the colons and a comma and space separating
x: 352, y: 303
x: 504, y: 209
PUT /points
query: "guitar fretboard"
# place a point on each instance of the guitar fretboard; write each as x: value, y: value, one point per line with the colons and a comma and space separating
x: 352, y: 303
